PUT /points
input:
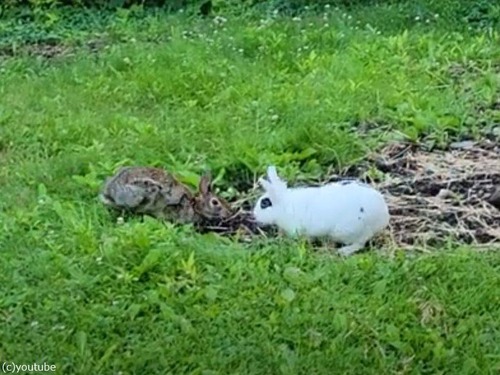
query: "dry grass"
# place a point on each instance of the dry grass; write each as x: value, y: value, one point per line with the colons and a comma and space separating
x: 435, y: 196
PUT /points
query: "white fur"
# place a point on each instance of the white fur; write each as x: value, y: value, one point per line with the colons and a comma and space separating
x: 350, y: 214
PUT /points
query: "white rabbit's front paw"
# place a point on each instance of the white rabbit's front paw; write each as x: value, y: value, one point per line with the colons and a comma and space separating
x: 351, y: 249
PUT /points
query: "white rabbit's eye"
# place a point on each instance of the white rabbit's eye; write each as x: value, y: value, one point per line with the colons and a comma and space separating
x: 265, y: 203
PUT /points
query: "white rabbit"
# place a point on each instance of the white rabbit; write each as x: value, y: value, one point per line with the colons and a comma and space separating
x: 349, y: 212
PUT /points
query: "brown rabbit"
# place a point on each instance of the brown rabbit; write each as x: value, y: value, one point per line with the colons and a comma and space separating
x: 155, y: 192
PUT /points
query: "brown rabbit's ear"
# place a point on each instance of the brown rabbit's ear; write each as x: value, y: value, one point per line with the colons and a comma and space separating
x: 205, y: 185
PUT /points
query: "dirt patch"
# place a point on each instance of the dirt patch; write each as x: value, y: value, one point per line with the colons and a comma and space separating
x: 442, y: 195
x: 433, y: 196
x: 50, y: 49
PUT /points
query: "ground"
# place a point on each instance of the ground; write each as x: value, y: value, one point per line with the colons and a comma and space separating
x: 412, y: 108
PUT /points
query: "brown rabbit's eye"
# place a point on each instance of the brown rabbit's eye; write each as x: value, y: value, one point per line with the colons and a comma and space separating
x: 215, y: 202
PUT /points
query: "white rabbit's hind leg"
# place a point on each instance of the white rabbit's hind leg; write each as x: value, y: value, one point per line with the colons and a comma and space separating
x: 351, y: 249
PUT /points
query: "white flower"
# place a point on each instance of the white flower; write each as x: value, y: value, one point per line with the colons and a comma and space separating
x: 219, y: 20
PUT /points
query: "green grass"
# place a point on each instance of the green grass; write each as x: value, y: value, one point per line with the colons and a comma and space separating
x: 93, y: 297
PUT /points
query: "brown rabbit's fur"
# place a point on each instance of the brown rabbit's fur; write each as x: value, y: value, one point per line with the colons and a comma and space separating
x: 155, y: 192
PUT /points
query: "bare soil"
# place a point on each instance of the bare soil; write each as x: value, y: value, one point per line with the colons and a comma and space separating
x: 442, y: 195
x: 50, y: 49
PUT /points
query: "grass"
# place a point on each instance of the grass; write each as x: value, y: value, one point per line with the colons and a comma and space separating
x: 91, y: 296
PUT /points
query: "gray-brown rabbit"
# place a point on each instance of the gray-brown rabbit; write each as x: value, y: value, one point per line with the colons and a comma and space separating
x: 155, y: 192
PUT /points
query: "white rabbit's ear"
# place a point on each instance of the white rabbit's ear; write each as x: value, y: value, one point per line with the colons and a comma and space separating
x: 270, y: 189
x: 266, y: 185
x: 272, y: 174
x: 273, y: 185
x: 277, y: 183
